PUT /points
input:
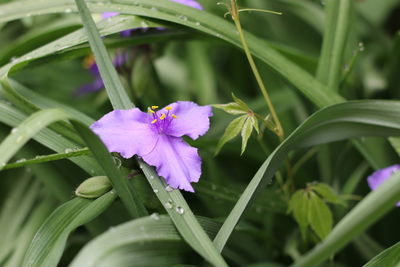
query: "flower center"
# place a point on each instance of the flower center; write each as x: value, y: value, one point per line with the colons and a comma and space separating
x: 161, y: 120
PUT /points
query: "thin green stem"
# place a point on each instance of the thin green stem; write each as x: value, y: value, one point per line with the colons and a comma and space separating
x: 235, y: 16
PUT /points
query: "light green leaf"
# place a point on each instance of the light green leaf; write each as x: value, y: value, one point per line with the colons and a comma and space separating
x: 254, y: 122
x: 299, y: 206
x: 369, y: 210
x: 240, y: 102
x: 246, y: 132
x: 231, y: 131
x: 337, y: 122
x: 390, y: 257
x: 326, y: 192
x: 231, y: 108
x: 319, y: 216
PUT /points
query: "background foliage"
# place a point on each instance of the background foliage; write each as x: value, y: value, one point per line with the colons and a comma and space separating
x: 302, y: 200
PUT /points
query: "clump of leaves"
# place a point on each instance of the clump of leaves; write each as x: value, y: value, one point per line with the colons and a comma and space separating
x: 244, y: 124
x: 309, y: 208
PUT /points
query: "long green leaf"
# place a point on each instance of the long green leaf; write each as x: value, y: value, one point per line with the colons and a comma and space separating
x: 338, y: 122
x: 182, y: 216
x: 112, y: 83
x: 49, y: 242
x: 198, y: 20
x: 123, y: 243
x: 389, y: 258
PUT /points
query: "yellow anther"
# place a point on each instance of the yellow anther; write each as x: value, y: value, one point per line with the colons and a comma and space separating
x: 154, y: 107
x: 151, y: 111
x: 174, y: 116
x: 168, y: 108
x: 154, y: 121
x: 162, y: 116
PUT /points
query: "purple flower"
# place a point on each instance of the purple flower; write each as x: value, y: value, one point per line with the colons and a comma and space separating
x: 190, y: 3
x: 119, y: 60
x: 380, y: 176
x: 156, y: 136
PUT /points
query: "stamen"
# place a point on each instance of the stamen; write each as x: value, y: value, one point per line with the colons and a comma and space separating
x: 174, y: 116
x: 154, y: 107
x: 162, y: 116
x: 151, y: 111
x: 168, y: 108
x: 153, y: 121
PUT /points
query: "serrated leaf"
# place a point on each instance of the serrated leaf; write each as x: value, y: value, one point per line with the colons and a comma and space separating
x: 231, y: 108
x: 319, y: 216
x: 298, y: 205
x: 240, y: 102
x: 246, y: 132
x: 326, y: 192
x: 231, y: 131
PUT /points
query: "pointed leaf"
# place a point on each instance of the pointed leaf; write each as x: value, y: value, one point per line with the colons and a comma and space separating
x: 326, y: 192
x: 246, y: 132
x: 231, y: 108
x: 240, y: 102
x: 319, y: 216
x: 231, y: 132
x: 298, y: 205
x: 254, y: 122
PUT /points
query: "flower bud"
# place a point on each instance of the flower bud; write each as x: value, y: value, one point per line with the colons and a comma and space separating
x: 94, y: 187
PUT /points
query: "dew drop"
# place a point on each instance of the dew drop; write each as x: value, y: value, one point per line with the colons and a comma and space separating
x: 144, y: 24
x: 155, y: 191
x: 168, y: 205
x: 361, y: 46
x: 19, y: 139
x: 21, y: 160
x: 68, y: 150
x: 14, y: 130
x: 180, y: 210
x: 198, y: 24
x: 68, y: 10
x: 154, y: 9
x: 169, y: 189
x: 155, y: 216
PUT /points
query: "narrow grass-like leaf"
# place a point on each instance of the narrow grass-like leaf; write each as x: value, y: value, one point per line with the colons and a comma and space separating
x: 112, y: 83
x: 187, y: 223
x: 15, y: 211
x: 183, y: 217
x: 389, y: 258
x: 26, y: 130
x: 337, y: 122
x: 49, y: 242
x: 47, y: 158
x: 125, y: 241
x: 38, y: 216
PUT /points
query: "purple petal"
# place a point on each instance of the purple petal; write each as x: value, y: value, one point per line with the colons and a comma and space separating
x: 176, y: 161
x: 95, y: 86
x: 380, y: 176
x: 190, y: 3
x: 107, y: 15
x: 192, y: 120
x: 126, y: 132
